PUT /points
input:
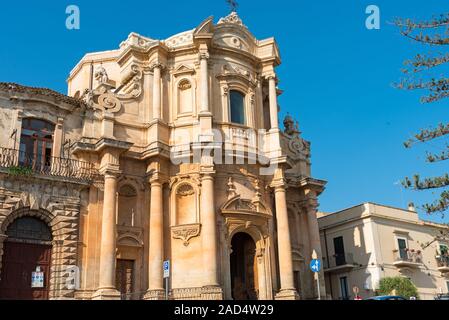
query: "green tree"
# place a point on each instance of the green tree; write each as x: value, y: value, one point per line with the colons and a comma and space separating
x: 424, y: 73
x: 400, y: 286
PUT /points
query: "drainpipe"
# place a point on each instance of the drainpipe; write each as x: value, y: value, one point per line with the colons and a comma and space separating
x: 327, y: 261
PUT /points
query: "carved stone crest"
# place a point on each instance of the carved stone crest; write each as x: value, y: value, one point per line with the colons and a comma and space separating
x: 186, y: 232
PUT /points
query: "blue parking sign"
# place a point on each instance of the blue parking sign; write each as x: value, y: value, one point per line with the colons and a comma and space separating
x: 166, y: 266
x: 315, y: 265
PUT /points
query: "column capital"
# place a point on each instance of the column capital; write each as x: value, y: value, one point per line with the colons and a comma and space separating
x: 157, y: 178
x: 203, y: 55
x: 271, y: 76
x: 111, y: 173
x: 158, y: 65
x: 279, y: 186
x: 311, y: 204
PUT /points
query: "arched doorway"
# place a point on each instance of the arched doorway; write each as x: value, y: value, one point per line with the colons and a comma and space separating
x: 27, y: 249
x: 244, y: 274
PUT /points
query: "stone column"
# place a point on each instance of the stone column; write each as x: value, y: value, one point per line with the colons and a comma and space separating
x: 157, y: 91
x: 156, y: 247
x: 273, y: 102
x: 209, y: 234
x: 287, y: 290
x: 57, y: 138
x: 204, y: 83
x: 106, y: 289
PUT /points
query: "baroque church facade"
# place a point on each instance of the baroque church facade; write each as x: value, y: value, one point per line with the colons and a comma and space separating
x: 162, y: 150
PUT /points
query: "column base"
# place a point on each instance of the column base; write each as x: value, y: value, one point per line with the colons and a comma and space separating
x: 287, y: 294
x: 154, y: 294
x: 211, y: 293
x: 106, y: 294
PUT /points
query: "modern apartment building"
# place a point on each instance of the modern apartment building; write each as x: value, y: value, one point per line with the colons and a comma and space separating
x: 365, y: 243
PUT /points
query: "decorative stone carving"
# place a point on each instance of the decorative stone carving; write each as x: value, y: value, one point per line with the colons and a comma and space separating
x: 101, y: 75
x: 129, y: 236
x: 138, y: 42
x: 234, y: 70
x: 257, y: 194
x: 231, y: 188
x: 108, y: 101
x: 185, y: 190
x: 186, y: 232
x: 184, y: 38
x: 291, y: 126
x: 184, y: 84
x: 132, y: 83
x: 232, y: 18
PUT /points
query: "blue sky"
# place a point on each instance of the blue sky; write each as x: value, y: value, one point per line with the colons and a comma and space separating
x: 336, y: 76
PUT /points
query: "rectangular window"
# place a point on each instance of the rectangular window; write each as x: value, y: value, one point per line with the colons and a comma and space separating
x: 237, y: 101
x: 443, y: 249
x: 344, y: 288
x: 402, y: 248
x: 339, y: 250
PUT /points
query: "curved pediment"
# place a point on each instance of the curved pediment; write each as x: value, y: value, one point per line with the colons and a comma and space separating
x: 239, y: 205
x: 230, y: 32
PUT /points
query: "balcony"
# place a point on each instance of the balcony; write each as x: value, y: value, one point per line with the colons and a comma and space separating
x: 15, y: 162
x: 407, y: 258
x: 340, y: 263
x: 443, y: 263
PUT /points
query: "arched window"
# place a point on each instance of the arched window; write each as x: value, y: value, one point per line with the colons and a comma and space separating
x: 237, y: 101
x: 29, y: 228
x: 36, y: 142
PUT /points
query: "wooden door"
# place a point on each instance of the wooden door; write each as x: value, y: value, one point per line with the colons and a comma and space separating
x: 18, y: 263
x: 124, y: 279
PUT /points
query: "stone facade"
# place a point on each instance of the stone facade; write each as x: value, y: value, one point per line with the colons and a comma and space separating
x: 171, y: 173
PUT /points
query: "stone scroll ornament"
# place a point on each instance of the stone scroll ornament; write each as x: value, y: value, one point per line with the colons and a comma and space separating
x: 108, y: 98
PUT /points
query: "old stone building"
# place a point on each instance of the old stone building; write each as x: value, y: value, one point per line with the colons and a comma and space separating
x: 162, y: 150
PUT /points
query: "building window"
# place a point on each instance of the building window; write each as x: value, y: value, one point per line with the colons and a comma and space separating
x: 339, y: 251
x: 443, y: 249
x: 402, y: 248
x: 29, y: 228
x: 237, y: 100
x: 344, y: 292
x: 36, y: 142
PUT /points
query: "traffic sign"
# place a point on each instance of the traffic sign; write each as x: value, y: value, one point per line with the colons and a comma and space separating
x: 166, y: 268
x: 315, y: 265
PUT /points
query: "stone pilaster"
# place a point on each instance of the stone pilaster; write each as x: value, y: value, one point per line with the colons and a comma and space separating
x: 273, y: 102
x: 211, y: 286
x: 106, y: 288
x: 157, y: 69
x: 204, y: 80
x: 287, y: 290
x: 156, y: 245
x: 314, y: 237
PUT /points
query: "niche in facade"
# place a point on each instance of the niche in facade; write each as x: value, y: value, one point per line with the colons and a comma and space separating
x: 127, y: 206
x: 185, y: 97
x: 185, y: 205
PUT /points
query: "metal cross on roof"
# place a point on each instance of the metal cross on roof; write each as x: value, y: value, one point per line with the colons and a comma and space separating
x: 232, y: 5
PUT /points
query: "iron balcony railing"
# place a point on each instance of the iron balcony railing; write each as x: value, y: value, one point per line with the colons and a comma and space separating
x: 442, y: 260
x: 408, y: 255
x: 21, y: 163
